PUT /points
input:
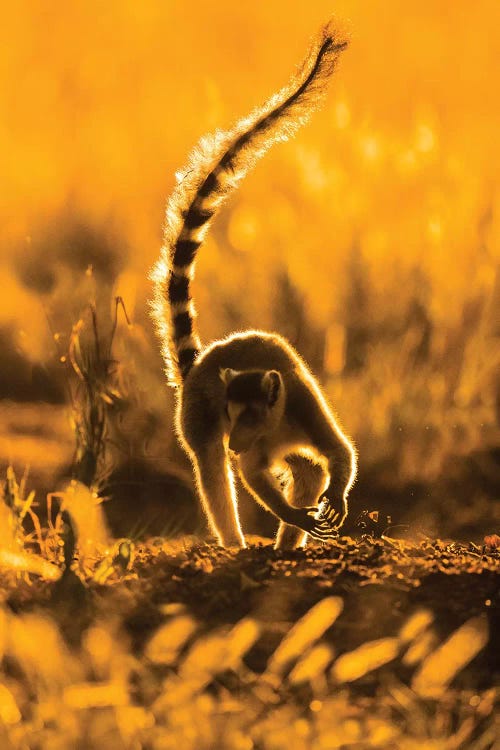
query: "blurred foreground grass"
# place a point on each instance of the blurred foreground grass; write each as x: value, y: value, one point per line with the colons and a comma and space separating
x: 374, y: 643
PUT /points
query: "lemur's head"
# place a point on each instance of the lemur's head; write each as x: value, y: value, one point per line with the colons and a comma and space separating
x: 254, y: 405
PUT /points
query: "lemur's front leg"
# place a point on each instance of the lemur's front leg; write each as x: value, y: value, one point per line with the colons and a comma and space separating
x: 304, y: 490
x: 333, y: 507
x: 216, y: 489
x: 264, y: 487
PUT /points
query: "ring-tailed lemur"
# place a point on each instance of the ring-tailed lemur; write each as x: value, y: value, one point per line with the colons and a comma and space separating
x: 249, y: 400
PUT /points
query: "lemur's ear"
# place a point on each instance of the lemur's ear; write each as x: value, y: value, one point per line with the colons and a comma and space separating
x: 226, y: 375
x: 271, y: 384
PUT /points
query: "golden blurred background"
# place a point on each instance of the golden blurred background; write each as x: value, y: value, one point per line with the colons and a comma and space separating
x: 370, y: 240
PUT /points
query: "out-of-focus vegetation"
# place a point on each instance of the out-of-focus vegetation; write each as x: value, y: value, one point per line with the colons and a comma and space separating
x: 192, y: 689
x: 167, y: 645
x: 371, y: 240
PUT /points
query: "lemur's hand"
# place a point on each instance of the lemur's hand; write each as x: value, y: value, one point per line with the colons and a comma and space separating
x: 307, y: 519
x: 332, y: 512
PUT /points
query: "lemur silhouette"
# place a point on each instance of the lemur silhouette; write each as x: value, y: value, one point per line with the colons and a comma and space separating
x: 248, y: 402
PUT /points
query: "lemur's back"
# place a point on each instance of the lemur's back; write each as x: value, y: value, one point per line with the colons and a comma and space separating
x: 203, y: 404
x: 250, y: 350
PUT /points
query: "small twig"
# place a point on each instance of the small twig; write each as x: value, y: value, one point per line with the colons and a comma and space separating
x: 95, y: 329
x: 118, y: 303
x: 38, y: 530
x: 74, y: 343
x: 24, y: 479
x: 59, y: 496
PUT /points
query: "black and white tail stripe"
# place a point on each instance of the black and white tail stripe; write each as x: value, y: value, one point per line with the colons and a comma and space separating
x: 214, y: 170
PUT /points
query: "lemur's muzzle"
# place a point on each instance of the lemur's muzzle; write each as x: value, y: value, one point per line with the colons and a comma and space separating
x: 241, y: 440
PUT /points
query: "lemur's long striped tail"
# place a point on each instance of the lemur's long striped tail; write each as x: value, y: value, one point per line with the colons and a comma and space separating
x: 214, y: 170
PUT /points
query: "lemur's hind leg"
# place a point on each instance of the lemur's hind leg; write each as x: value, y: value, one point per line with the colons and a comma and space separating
x: 214, y: 477
x: 305, y: 489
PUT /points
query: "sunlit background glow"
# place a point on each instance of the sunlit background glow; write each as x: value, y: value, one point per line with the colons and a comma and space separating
x: 371, y: 239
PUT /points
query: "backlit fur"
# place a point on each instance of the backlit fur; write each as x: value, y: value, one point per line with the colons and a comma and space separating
x: 248, y: 402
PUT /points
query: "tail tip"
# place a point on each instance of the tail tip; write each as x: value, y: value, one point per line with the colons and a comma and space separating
x: 334, y: 35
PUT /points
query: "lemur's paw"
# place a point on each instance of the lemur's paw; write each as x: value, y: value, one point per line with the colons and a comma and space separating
x: 317, y: 528
x: 332, y: 513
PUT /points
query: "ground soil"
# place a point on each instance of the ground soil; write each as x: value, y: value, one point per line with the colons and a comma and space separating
x: 382, y: 582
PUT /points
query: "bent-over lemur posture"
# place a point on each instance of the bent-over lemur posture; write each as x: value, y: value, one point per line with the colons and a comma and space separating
x: 249, y: 401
